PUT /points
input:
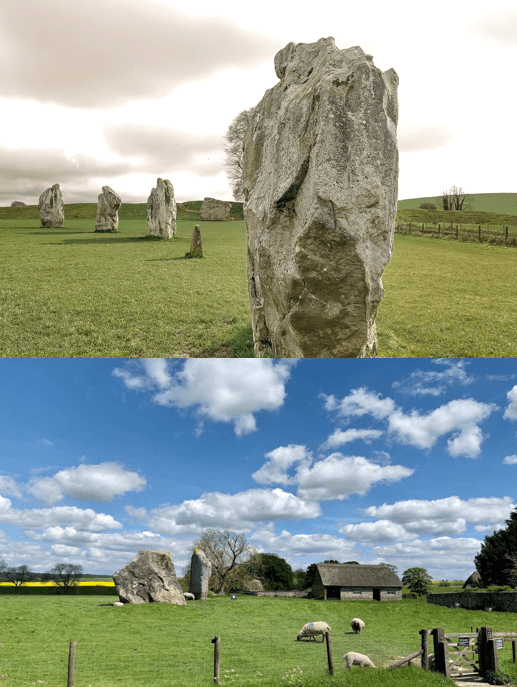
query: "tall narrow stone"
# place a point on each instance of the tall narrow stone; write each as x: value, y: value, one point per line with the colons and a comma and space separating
x: 161, y: 210
x: 200, y: 571
x: 51, y: 208
x: 320, y: 185
x: 107, y: 210
x: 196, y: 248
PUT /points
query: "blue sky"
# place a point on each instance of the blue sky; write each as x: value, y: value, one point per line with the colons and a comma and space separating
x: 411, y: 462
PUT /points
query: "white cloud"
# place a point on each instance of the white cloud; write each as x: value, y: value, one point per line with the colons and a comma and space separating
x: 511, y: 411
x: 238, y: 512
x: 9, y: 486
x: 38, y: 518
x: 443, y: 516
x: 229, y: 390
x: 275, y: 470
x: 361, y: 402
x: 510, y: 460
x: 46, y: 442
x: 101, y: 482
x: 340, y: 437
x: 380, y: 531
x: 338, y: 476
x: 466, y: 443
x: 430, y: 382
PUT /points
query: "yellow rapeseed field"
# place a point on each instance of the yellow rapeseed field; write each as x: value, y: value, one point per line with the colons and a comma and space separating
x: 85, y: 583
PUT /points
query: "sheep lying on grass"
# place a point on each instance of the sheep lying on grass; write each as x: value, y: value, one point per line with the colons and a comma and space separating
x: 354, y: 659
x: 311, y: 629
x: 357, y: 625
x: 189, y: 597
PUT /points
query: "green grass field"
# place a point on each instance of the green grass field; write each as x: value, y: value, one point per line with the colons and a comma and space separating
x: 505, y: 203
x: 71, y: 292
x: 167, y: 645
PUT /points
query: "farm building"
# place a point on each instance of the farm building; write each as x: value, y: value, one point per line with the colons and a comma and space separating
x: 356, y: 582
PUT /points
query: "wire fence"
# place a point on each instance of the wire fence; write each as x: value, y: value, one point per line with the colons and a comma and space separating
x: 483, y: 233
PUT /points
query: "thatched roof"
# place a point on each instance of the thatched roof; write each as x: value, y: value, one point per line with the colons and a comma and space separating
x: 352, y: 575
x: 472, y: 580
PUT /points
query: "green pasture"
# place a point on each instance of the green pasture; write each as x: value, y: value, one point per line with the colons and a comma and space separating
x: 166, y: 645
x: 71, y: 292
x: 505, y: 203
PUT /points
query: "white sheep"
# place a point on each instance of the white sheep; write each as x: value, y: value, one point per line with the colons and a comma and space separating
x: 189, y: 596
x: 357, y: 625
x: 311, y: 629
x: 352, y: 658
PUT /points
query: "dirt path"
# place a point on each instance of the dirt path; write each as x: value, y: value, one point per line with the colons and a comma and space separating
x: 469, y: 680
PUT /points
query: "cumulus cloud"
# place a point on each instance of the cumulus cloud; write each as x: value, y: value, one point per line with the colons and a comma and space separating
x: 38, y: 518
x: 510, y: 460
x: 459, y: 418
x: 380, y: 531
x: 10, y: 487
x: 299, y: 546
x: 238, y: 512
x: 448, y: 516
x: 340, y: 437
x: 511, y: 411
x: 433, y: 382
x: 113, y: 51
x: 102, y: 482
x: 279, y: 461
x: 220, y: 390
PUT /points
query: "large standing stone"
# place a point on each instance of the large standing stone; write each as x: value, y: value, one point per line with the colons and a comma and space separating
x: 107, y: 210
x: 150, y: 576
x: 161, y: 210
x: 51, y: 208
x: 200, y: 571
x: 215, y: 210
x: 320, y: 182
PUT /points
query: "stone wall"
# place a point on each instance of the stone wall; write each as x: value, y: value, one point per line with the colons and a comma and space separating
x: 505, y: 602
x: 298, y: 594
x: 359, y: 593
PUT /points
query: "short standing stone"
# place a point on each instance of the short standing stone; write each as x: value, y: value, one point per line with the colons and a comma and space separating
x: 18, y: 204
x: 51, y: 208
x: 196, y: 249
x: 107, y: 210
x: 320, y: 184
x: 215, y: 210
x: 161, y: 210
x: 150, y: 576
x: 200, y: 571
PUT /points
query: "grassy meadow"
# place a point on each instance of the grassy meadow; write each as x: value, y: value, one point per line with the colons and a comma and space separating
x: 71, y: 292
x: 167, y: 645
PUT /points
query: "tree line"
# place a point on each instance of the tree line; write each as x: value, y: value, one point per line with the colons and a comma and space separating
x: 64, y: 575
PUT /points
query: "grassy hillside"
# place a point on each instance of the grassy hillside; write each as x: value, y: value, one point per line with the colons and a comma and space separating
x: 502, y: 203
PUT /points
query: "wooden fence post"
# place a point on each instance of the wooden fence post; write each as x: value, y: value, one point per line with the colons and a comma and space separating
x: 506, y: 241
x: 71, y: 664
x: 514, y: 650
x: 479, y: 232
x: 216, y: 642
x: 441, y: 652
x: 456, y: 231
x: 487, y: 647
x: 329, y: 653
x: 424, y: 634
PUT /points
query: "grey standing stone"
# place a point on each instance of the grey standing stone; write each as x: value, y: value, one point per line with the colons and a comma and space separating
x: 51, y: 208
x: 150, y: 576
x: 107, y: 210
x: 18, y: 204
x: 213, y: 210
x: 161, y: 210
x: 200, y: 571
x: 320, y: 185
x: 196, y: 249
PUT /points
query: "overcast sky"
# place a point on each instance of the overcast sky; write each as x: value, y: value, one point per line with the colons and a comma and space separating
x: 410, y: 462
x: 120, y: 92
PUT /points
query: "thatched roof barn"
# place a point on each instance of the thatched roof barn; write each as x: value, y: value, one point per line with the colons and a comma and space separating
x: 356, y: 582
x: 473, y: 580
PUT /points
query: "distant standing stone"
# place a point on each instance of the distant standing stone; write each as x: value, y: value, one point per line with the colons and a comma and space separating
x: 51, y: 208
x: 196, y: 249
x: 200, y: 571
x: 150, y: 576
x: 213, y: 210
x: 320, y: 181
x: 107, y: 210
x: 17, y: 204
x: 161, y: 210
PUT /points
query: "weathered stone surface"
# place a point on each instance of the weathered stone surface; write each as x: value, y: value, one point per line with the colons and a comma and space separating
x: 51, y: 208
x: 150, y: 576
x: 17, y: 204
x: 215, y: 210
x: 161, y: 210
x: 255, y: 586
x: 107, y: 210
x: 200, y: 571
x: 196, y: 249
x: 320, y: 184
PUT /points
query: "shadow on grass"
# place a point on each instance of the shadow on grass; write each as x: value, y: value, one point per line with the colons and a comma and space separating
x: 94, y: 240
x: 63, y: 232
x: 238, y: 345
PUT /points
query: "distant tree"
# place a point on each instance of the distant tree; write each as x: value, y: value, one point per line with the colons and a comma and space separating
x: 351, y: 563
x: 18, y: 576
x: 393, y: 568
x: 3, y: 565
x: 495, y: 561
x: 273, y: 571
x: 455, y: 198
x: 331, y: 561
x: 66, y: 575
x: 417, y: 580
x: 225, y: 550
x: 300, y: 579
x: 310, y: 575
x: 427, y: 206
x: 234, y: 150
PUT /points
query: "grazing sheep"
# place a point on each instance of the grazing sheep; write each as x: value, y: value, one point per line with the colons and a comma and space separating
x: 357, y: 625
x: 354, y: 659
x: 189, y: 597
x: 311, y: 629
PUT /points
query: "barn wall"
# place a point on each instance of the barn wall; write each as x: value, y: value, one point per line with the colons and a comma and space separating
x: 498, y: 601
